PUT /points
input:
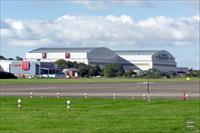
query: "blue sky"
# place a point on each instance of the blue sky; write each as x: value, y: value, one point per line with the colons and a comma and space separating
x: 132, y: 24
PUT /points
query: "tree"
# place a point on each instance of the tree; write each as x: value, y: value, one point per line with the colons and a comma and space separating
x: 75, y: 64
x: 130, y: 73
x: 69, y: 64
x: 10, y: 59
x: 113, y: 70
x: 92, y: 71
x: 2, y: 57
x: 61, y: 63
x: 83, y: 70
x: 153, y: 73
x: 193, y: 73
x: 18, y: 58
x: 98, y: 70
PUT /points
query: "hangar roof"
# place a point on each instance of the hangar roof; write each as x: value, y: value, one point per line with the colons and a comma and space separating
x: 52, y: 50
x: 137, y: 52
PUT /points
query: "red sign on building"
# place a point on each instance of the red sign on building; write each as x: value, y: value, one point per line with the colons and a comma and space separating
x: 44, y: 55
x: 67, y: 55
x: 25, y: 65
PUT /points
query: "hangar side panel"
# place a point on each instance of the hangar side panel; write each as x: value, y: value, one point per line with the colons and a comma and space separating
x: 144, y: 62
x: 101, y: 56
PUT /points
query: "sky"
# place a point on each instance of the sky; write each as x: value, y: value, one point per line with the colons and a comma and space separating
x: 171, y: 25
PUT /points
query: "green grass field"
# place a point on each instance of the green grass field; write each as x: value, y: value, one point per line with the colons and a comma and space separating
x: 93, y: 115
x: 88, y: 80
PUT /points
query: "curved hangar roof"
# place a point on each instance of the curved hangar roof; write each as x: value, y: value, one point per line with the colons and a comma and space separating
x: 137, y: 52
x: 53, y: 50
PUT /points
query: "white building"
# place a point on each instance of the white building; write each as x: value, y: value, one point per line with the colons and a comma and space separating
x: 147, y: 59
x: 92, y: 56
x: 131, y: 59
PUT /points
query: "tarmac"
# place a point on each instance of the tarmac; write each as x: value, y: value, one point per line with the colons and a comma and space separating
x: 174, y: 89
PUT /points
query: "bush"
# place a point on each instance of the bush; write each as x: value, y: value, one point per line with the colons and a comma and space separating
x: 130, y: 74
x: 6, y: 75
x: 113, y: 70
x: 153, y: 73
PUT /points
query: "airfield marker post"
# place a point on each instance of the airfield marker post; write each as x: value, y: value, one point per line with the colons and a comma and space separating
x: 133, y: 98
x: 184, y: 96
x: 148, y: 91
x: 57, y: 94
x: 85, y: 95
x: 68, y: 105
x: 19, y: 102
x: 114, y: 95
x: 144, y: 96
x: 31, y: 94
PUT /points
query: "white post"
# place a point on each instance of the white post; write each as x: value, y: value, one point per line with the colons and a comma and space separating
x: 186, y: 96
x: 58, y: 94
x: 19, y: 104
x: 85, y: 95
x: 68, y: 105
x: 144, y: 96
x: 114, y: 95
x: 31, y: 94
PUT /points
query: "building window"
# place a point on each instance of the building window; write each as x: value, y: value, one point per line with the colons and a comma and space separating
x: 44, y: 55
x: 67, y: 55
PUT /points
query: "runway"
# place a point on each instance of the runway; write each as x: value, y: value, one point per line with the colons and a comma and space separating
x: 157, y: 90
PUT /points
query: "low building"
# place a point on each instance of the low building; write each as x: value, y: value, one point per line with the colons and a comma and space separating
x: 182, y: 71
x: 33, y: 68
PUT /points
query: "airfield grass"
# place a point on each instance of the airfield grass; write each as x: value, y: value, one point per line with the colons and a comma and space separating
x: 88, y: 80
x: 97, y: 115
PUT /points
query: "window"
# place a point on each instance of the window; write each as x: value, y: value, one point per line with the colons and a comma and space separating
x: 44, y: 55
x: 67, y: 55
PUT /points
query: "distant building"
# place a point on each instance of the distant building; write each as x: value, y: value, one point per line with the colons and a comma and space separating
x: 131, y: 59
x: 181, y: 71
x: 33, y: 68
x: 147, y: 59
x: 90, y: 56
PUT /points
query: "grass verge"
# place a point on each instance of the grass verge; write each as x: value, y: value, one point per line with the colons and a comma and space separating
x: 89, y: 80
x: 95, y: 115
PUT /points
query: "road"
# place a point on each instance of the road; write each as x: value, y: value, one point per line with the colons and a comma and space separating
x: 157, y: 90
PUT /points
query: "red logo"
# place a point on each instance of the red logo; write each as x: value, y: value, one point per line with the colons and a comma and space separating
x: 25, y: 65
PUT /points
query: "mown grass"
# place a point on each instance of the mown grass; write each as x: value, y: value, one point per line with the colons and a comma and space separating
x: 95, y: 115
x: 88, y: 80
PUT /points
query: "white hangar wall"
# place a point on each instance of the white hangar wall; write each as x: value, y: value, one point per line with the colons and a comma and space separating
x: 147, y: 59
x: 133, y: 59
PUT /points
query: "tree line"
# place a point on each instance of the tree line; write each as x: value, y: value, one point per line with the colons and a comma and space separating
x: 16, y: 58
x: 116, y: 70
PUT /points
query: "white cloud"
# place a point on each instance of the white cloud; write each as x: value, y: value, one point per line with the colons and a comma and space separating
x: 90, y: 4
x: 110, y: 31
x: 99, y: 4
